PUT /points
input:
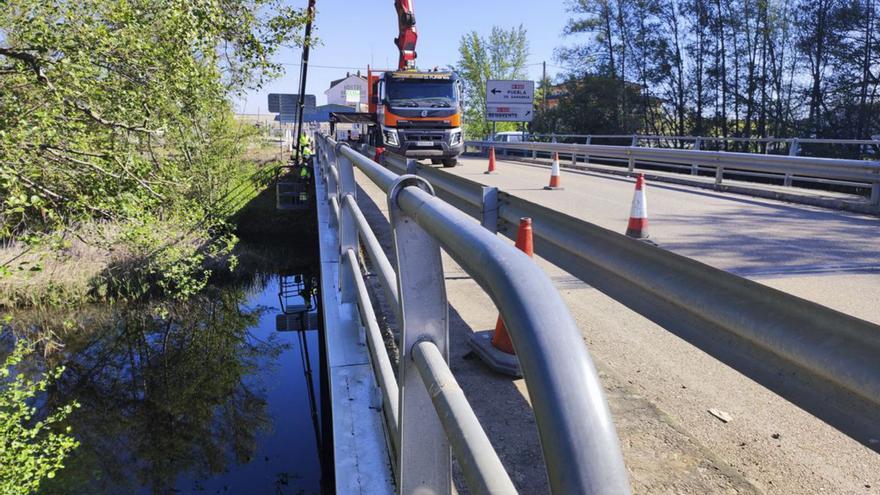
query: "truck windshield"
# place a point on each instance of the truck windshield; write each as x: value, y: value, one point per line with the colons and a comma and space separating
x: 421, y: 94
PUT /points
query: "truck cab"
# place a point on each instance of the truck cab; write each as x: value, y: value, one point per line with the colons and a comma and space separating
x: 418, y: 114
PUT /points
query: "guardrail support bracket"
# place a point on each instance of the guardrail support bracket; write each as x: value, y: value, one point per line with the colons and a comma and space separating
x: 489, y: 212
x: 425, y: 457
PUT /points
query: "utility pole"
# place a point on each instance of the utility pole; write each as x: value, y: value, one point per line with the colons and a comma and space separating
x: 544, y: 87
x: 307, y: 40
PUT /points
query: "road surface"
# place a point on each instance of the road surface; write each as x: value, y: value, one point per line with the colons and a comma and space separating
x: 659, y: 386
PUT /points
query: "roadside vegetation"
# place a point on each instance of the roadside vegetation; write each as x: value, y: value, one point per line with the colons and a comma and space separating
x: 33, y: 449
x: 738, y: 68
x: 119, y: 151
x: 121, y: 166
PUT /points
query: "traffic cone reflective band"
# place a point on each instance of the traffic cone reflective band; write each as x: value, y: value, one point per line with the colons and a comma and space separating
x: 638, y: 215
x: 491, y: 169
x: 501, y: 339
x: 555, y: 182
x: 380, y: 154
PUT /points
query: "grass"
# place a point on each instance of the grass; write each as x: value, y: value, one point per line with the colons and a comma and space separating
x: 46, y: 276
x: 95, y: 264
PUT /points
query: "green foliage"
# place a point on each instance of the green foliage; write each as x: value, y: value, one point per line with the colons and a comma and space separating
x: 589, y: 105
x: 32, y: 450
x: 118, y: 111
x: 503, y: 55
x: 739, y: 68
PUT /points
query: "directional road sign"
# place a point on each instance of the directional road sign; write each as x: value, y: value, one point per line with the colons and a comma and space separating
x: 509, y: 101
x: 509, y: 112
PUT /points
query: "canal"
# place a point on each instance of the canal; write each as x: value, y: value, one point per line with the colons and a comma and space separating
x: 218, y: 393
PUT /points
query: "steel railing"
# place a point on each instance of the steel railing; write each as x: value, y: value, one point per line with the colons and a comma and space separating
x: 859, y: 173
x: 425, y: 409
x: 823, y: 360
x: 792, y: 144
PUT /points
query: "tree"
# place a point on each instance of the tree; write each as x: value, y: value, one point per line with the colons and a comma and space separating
x: 589, y: 105
x: 503, y: 55
x: 738, y: 68
x: 118, y: 112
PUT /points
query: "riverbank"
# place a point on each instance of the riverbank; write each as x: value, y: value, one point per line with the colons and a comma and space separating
x: 105, y: 261
x: 205, y: 393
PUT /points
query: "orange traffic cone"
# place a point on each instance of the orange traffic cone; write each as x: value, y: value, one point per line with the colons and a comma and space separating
x: 495, y: 348
x: 638, y: 216
x: 555, y: 182
x: 501, y: 339
x: 491, y: 161
x: 380, y: 154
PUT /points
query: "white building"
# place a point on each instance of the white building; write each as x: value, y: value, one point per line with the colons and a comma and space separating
x: 350, y: 91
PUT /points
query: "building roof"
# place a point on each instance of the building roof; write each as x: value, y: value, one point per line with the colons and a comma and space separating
x: 347, y: 75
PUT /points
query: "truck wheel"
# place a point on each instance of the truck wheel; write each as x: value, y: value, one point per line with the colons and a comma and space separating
x: 450, y: 162
x: 436, y: 161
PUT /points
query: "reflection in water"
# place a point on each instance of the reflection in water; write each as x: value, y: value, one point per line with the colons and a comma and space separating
x: 207, y: 398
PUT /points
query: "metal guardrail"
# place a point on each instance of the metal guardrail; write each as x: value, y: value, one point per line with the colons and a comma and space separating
x: 579, y: 443
x: 830, y: 358
x: 853, y: 172
x: 696, y: 141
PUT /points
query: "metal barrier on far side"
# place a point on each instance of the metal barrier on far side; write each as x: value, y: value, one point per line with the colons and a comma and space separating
x: 855, y: 173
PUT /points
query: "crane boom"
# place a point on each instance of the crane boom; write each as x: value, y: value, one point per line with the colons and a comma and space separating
x: 406, y: 40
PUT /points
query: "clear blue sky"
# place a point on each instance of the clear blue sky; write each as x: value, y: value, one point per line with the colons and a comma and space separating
x: 354, y: 33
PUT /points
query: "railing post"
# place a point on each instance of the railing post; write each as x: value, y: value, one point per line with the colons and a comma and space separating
x: 794, y: 148
x: 588, y: 142
x: 348, y: 236
x: 331, y: 179
x: 489, y: 212
x: 695, y: 167
x: 632, y: 160
x: 719, y: 174
x: 412, y: 166
x: 424, y: 458
x: 553, y: 137
x: 875, y: 193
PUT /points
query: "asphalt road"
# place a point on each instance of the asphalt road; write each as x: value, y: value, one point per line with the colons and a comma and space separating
x: 659, y: 386
x: 752, y: 237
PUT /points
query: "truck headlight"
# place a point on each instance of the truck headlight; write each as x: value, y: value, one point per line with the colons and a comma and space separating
x: 390, y: 137
x: 455, y: 138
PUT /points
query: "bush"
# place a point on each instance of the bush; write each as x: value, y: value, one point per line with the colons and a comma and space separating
x: 31, y: 449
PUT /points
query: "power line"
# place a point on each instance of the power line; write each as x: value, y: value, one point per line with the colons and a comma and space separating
x: 313, y: 66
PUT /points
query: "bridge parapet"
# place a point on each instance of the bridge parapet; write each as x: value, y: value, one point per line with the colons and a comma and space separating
x: 578, y: 439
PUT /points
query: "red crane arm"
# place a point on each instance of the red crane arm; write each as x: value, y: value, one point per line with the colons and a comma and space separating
x: 406, y: 41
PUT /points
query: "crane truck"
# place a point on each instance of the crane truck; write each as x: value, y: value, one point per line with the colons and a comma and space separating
x: 415, y: 113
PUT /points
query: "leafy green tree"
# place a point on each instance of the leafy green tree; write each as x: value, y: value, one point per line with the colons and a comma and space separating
x: 503, y: 55
x: 32, y: 450
x: 118, y: 112
x: 589, y: 105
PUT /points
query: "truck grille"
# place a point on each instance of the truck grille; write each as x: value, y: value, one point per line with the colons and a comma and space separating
x: 413, y: 137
